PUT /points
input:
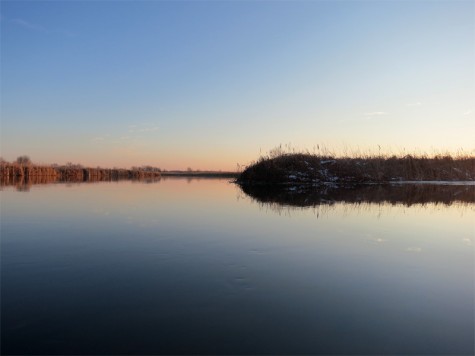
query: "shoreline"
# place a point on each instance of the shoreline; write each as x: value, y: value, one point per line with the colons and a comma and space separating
x: 204, y: 174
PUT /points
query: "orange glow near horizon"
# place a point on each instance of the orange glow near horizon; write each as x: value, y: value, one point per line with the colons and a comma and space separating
x: 214, y: 161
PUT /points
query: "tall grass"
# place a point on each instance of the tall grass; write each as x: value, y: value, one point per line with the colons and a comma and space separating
x: 282, y: 165
x: 31, y: 172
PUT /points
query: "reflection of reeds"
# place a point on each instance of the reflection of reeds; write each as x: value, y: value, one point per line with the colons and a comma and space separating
x: 406, y: 194
x: 343, y: 209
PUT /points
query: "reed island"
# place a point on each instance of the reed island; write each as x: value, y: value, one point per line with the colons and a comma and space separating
x: 305, y: 169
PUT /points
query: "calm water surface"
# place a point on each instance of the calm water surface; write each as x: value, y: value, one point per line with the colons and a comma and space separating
x: 181, y: 266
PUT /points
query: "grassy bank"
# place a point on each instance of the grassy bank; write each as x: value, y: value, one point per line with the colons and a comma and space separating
x: 313, y: 169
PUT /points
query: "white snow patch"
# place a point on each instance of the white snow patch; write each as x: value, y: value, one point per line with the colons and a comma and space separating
x: 435, y: 182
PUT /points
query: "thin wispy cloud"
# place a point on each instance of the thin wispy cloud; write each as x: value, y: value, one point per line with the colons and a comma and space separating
x: 375, y: 113
x: 143, y: 128
x: 468, y: 112
x: 414, y: 249
x: 148, y: 129
x: 28, y: 25
x: 467, y: 241
x: 365, y: 117
x: 129, y: 135
x: 100, y: 137
x: 411, y: 105
x: 39, y: 28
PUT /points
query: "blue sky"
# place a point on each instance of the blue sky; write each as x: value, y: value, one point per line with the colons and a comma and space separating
x: 211, y: 84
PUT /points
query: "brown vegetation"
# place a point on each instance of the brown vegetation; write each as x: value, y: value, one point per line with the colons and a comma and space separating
x: 305, y: 168
x: 25, y: 171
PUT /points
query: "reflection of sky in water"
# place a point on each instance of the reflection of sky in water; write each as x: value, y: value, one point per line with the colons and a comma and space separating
x: 200, y: 261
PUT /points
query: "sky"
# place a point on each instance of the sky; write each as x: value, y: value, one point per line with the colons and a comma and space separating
x: 213, y: 85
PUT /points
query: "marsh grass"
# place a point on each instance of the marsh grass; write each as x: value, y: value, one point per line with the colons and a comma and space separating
x: 284, y: 166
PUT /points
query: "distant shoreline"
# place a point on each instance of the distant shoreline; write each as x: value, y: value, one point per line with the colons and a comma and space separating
x: 15, y: 171
x: 198, y: 174
x: 29, y: 174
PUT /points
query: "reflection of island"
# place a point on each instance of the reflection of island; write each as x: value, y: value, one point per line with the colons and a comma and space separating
x: 407, y: 194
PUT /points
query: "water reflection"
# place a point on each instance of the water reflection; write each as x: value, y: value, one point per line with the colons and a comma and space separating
x: 24, y: 183
x: 406, y: 194
x: 182, y: 267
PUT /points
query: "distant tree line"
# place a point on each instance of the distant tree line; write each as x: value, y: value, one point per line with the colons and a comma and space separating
x: 26, y: 161
x: 23, y: 167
